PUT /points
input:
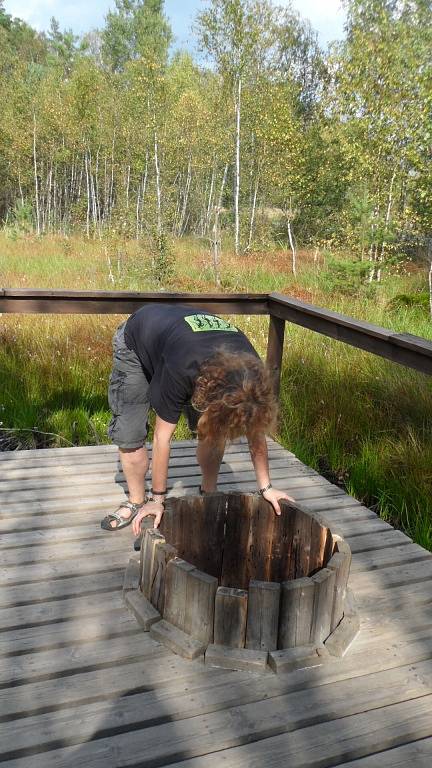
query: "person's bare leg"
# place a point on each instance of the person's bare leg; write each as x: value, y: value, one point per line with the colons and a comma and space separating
x: 135, y: 463
x: 209, y: 458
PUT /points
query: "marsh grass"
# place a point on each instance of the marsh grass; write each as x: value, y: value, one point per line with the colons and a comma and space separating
x: 362, y: 421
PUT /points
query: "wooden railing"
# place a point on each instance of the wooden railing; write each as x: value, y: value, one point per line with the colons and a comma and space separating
x: 403, y: 348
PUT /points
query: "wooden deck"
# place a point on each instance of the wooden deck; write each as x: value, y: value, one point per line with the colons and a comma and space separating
x: 82, y: 685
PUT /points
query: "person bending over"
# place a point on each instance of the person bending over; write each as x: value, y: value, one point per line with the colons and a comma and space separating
x: 178, y: 359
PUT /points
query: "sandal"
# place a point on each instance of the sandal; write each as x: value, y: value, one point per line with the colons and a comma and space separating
x: 122, y: 522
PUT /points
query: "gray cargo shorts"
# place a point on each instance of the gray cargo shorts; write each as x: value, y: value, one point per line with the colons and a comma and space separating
x: 128, y: 398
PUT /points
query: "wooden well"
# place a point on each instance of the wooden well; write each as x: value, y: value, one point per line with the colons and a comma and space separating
x: 229, y: 573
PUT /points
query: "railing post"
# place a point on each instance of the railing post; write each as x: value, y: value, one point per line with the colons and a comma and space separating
x: 275, y: 350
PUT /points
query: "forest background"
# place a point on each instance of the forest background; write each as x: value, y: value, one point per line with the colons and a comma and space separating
x: 266, y: 164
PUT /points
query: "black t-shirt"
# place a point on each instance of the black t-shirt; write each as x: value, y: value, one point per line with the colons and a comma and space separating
x: 171, y: 343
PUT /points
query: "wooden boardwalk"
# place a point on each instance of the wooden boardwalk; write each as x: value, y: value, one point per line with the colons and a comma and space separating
x: 82, y: 685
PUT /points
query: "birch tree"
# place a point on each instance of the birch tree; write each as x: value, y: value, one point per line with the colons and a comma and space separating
x: 382, y: 76
x: 238, y: 36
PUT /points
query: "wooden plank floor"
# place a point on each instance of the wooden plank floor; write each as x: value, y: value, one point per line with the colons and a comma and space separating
x: 82, y: 685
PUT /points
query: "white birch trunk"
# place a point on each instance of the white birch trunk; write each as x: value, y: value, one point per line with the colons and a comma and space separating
x: 92, y: 194
x: 143, y: 193
x: 127, y: 186
x: 216, y: 247
x: 372, y: 257
x: 386, y: 223
x: 20, y: 187
x: 237, y: 167
x: 110, y: 272
x: 96, y: 191
x: 216, y: 241
x: 36, y: 180
x: 88, y: 196
x: 176, y: 219
x: 158, y: 185
x: 49, y: 198
x: 42, y: 189
x: 221, y: 191
x: 182, y: 224
x: 137, y: 209
x: 253, y: 210
x: 80, y: 183
x: 105, y: 190
x: 111, y: 193
x: 209, y: 205
x: 292, y: 246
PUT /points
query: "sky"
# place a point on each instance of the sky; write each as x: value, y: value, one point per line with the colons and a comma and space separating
x: 326, y: 16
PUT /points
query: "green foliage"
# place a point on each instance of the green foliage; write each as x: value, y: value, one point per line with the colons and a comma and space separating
x: 22, y: 219
x: 410, y: 300
x: 163, y: 260
x: 344, y: 276
x: 136, y: 28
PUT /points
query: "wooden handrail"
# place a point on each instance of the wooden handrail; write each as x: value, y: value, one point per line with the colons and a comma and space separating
x: 403, y: 348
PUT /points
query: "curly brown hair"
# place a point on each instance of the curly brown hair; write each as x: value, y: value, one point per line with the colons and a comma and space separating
x: 234, y: 393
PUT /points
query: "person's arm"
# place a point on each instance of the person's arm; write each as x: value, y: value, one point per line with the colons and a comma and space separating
x: 160, y: 458
x: 259, y: 456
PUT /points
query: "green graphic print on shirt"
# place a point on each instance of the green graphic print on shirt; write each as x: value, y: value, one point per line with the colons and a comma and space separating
x: 209, y: 323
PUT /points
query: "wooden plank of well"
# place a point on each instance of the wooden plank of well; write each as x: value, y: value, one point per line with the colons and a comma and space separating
x: 194, y: 525
x: 231, y: 608
x: 324, y: 582
x: 174, y: 526
x: 296, y: 610
x: 149, y: 541
x: 205, y: 541
x: 145, y: 613
x: 283, y: 533
x: 200, y: 605
x: 340, y: 564
x: 176, y: 640
x: 320, y: 547
x: 263, y: 615
x: 290, y: 659
x: 236, y: 658
x: 301, y: 546
x: 175, y: 592
x: 235, y: 567
x: 259, y: 551
x: 163, y: 553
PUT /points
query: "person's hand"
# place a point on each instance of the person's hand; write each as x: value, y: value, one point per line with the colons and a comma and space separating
x: 274, y: 496
x: 155, y: 508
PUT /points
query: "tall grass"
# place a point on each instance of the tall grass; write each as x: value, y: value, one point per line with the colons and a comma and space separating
x: 364, y: 422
